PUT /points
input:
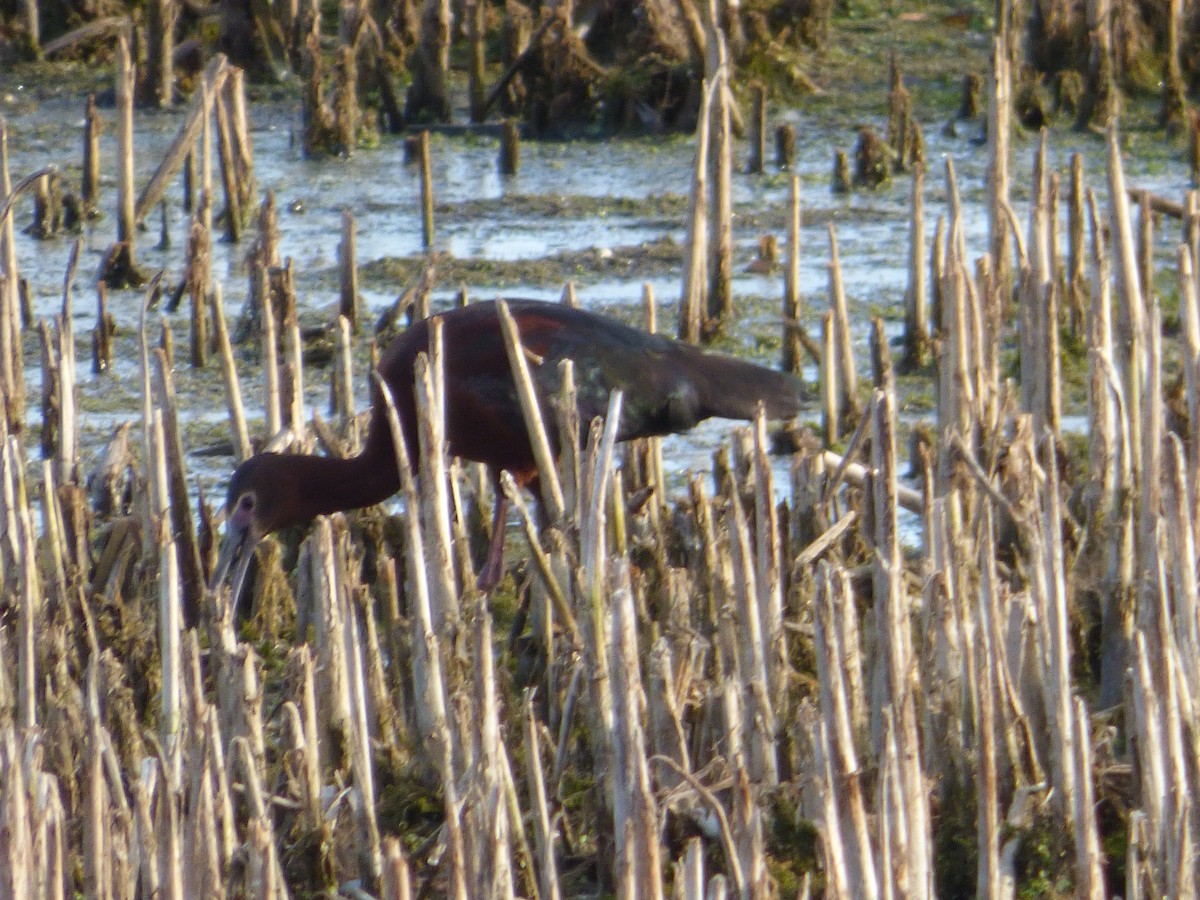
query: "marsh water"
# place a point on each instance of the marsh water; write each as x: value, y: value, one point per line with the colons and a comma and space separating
x: 609, y: 215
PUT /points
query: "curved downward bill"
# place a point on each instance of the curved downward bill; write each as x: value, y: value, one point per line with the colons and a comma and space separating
x: 237, y: 551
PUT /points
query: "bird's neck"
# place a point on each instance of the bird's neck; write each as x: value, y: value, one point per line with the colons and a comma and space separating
x: 333, y: 485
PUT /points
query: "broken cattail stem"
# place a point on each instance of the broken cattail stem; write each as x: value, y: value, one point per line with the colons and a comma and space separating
x: 567, y: 420
x: 124, y: 91
x: 494, y: 868
x: 692, y: 302
x: 343, y: 379
x: 988, y: 775
x: 593, y: 495
x: 33, y: 28
x: 1038, y: 241
x: 348, y: 267
x: 381, y: 703
x: 435, y: 506
x: 229, y: 175
x: 68, y: 441
x: 937, y: 275
x: 916, y: 303
x: 199, y: 269
x: 270, y: 364
x: 545, y: 568
x: 956, y: 241
x: 52, y: 526
x: 758, y: 722
x: 1076, y: 271
x: 999, y: 112
x: 668, y: 733
x: 758, y: 128
x: 170, y: 721
x: 97, y: 854
x: 1153, y: 429
x: 148, y: 510
x: 510, y: 145
x: 1032, y: 297
x: 370, y: 853
x: 63, y: 351
x: 635, y: 815
x: 785, y: 145
x: 346, y: 113
x: 768, y: 564
x: 184, y: 531
x: 465, y: 522
x: 836, y: 742
x: 791, y: 281
x: 396, y: 885
x: 321, y: 565
x: 160, y: 33
x: 1050, y: 595
x: 476, y: 15
x: 300, y: 668
x: 158, y: 524
x: 843, y: 181
x: 956, y: 400
x: 12, y: 370
x: 1089, y: 863
x: 182, y: 147
x: 551, y: 489
x: 590, y: 586
x: 426, y: 191
x: 1053, y: 372
x: 544, y: 833
x: 89, y: 188
x: 1145, y: 246
x: 720, y: 229
x: 1129, y: 332
x: 206, y: 178
x: 235, y: 97
x: 426, y: 660
x: 29, y: 599
x: 50, y: 390
x: 1189, y: 318
x: 164, y: 231
x: 897, y: 663
x: 847, y: 371
x: 295, y: 356
x: 242, y: 448
x: 144, y: 790
x: 166, y: 341
x: 830, y: 410
x: 244, y: 760
x: 189, y: 182
x: 1181, y: 532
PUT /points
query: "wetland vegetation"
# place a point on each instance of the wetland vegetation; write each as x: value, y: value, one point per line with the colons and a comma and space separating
x: 939, y: 636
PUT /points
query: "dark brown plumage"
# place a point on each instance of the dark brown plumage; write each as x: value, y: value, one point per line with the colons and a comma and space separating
x: 668, y: 387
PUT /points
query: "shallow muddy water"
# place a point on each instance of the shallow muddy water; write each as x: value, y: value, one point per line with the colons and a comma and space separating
x: 596, y: 203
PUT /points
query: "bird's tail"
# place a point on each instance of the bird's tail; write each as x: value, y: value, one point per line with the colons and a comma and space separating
x: 732, y: 388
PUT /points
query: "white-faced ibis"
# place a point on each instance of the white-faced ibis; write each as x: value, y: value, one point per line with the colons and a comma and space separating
x: 667, y: 386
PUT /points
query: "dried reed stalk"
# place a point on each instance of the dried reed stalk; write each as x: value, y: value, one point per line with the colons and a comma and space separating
x: 428, y: 682
x: 214, y: 76
x: 847, y: 378
x: 124, y: 93
x: 423, y: 161
x: 999, y: 113
x: 720, y: 160
x: 791, y: 280
x: 693, y: 298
